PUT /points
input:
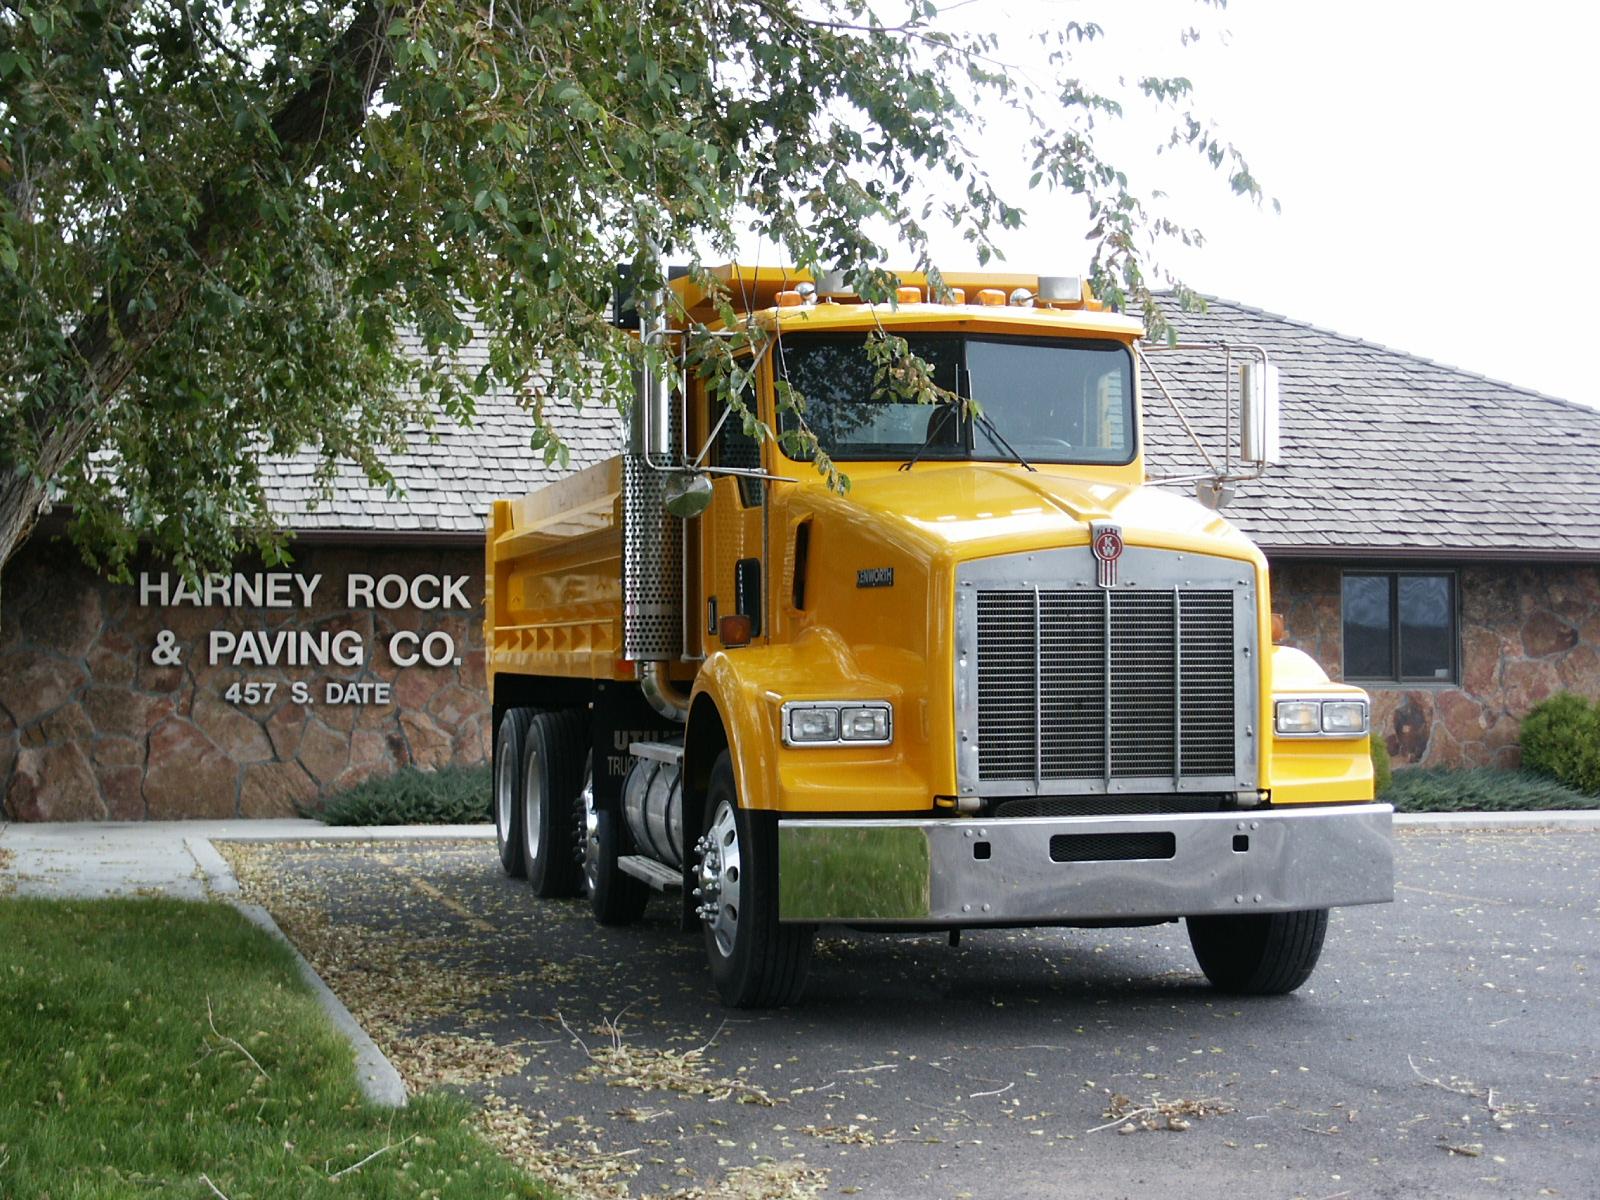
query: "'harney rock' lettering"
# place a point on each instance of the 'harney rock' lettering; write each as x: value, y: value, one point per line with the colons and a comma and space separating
x: 264, y: 589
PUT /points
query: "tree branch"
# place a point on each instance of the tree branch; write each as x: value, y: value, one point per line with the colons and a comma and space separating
x: 318, y: 120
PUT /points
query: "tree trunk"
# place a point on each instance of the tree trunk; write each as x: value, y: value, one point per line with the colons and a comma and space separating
x: 314, y: 124
x: 20, y: 497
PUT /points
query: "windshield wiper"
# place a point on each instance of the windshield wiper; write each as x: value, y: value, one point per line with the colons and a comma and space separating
x: 935, y: 427
x: 988, y: 427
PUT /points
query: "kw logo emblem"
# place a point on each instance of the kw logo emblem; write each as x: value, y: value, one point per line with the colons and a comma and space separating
x: 1105, y: 540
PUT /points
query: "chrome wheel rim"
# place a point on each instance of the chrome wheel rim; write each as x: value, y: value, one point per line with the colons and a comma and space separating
x: 504, y: 786
x: 591, y: 838
x: 532, y: 809
x: 719, y: 879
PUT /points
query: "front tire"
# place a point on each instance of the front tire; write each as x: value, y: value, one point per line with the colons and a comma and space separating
x: 552, y: 778
x: 756, y: 961
x: 1259, y: 954
x: 507, y: 789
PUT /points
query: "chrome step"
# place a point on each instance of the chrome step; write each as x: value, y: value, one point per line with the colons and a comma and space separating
x: 658, y: 875
x: 666, y: 752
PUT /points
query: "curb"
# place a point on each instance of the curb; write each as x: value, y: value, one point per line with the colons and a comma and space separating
x: 1564, y: 819
x: 218, y: 875
x: 380, y: 1082
x: 369, y: 833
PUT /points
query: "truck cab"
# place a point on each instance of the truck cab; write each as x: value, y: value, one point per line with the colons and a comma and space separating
x: 997, y: 680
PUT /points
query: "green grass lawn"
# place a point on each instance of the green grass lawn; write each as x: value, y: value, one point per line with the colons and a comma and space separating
x: 1480, y: 789
x: 147, y: 1046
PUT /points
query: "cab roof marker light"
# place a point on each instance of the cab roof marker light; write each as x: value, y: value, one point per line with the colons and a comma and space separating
x: 1061, y: 289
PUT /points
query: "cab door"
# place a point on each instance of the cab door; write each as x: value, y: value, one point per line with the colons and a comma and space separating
x: 730, y: 530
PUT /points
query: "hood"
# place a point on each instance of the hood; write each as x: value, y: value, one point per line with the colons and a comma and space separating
x: 977, y: 509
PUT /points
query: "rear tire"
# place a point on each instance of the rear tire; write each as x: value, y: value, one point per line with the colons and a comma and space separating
x: 506, y: 789
x: 615, y: 897
x: 552, y: 778
x: 756, y: 961
x: 1259, y: 954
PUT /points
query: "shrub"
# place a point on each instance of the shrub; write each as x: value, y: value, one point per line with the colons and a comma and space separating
x: 1480, y: 789
x: 1382, y: 775
x: 449, y: 796
x: 1561, y: 739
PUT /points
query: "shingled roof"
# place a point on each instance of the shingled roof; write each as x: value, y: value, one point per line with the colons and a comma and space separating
x: 448, y: 479
x: 1384, y: 453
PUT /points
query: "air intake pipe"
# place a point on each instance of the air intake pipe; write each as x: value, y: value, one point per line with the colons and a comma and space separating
x: 662, y: 693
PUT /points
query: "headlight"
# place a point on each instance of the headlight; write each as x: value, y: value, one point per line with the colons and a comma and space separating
x: 1347, y: 718
x: 1299, y: 716
x: 827, y: 722
x: 1307, y: 717
x: 864, y: 724
x: 814, y: 725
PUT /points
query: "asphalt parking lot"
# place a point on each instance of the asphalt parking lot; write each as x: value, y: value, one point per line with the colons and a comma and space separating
x: 1448, y: 1045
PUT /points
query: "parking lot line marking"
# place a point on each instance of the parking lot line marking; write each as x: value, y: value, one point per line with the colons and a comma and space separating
x: 433, y: 893
x: 1406, y: 887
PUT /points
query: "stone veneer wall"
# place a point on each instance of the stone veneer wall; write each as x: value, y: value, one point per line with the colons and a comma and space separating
x: 92, y: 729
x: 1527, y: 632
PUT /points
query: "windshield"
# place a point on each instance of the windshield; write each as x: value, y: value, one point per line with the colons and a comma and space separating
x: 1057, y: 401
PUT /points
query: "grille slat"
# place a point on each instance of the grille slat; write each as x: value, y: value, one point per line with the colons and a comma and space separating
x: 1083, y: 685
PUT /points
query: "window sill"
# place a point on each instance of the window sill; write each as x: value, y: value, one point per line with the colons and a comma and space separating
x: 1405, y: 685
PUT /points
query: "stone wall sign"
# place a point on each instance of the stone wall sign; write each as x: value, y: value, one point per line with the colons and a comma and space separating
x: 257, y: 692
x: 282, y: 647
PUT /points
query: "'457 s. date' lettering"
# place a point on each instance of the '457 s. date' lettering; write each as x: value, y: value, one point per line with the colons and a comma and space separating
x: 254, y: 694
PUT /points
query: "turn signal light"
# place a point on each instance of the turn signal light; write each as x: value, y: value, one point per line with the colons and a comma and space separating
x: 734, y: 629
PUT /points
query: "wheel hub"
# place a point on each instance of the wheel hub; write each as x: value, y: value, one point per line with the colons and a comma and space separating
x: 533, y: 801
x: 718, y: 878
x: 590, y: 850
x: 504, y: 797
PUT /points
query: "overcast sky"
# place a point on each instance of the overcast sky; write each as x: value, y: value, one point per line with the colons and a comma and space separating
x: 1436, y: 165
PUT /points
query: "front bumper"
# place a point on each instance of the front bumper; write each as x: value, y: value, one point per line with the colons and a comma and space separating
x: 975, y: 872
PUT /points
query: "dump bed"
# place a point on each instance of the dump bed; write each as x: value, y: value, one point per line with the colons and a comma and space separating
x: 553, y: 579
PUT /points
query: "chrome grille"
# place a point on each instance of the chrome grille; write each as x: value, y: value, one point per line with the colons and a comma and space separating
x: 1078, y: 684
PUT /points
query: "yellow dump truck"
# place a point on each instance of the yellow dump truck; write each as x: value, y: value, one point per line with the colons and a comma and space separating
x: 999, y: 681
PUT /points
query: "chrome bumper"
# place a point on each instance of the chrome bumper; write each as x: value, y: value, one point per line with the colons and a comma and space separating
x: 966, y: 872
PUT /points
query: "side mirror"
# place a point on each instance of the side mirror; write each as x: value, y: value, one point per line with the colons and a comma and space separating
x: 687, y: 495
x: 1258, y: 413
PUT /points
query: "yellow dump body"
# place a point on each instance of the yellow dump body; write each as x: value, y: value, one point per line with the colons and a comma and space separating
x: 553, y: 568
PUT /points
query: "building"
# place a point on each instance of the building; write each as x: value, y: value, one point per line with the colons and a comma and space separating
x: 1434, y: 536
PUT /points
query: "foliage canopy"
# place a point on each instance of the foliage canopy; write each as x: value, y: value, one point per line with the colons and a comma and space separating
x: 215, y: 219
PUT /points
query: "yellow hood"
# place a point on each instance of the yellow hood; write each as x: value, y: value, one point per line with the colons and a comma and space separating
x: 973, y: 510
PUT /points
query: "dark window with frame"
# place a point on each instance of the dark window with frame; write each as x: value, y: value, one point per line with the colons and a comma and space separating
x: 1049, y: 400
x: 736, y: 448
x: 1400, y: 626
